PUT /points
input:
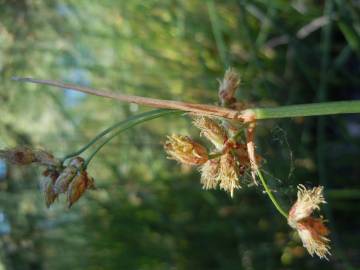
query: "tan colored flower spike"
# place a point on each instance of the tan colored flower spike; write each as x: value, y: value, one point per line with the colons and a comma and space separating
x: 185, y: 150
x: 312, y: 231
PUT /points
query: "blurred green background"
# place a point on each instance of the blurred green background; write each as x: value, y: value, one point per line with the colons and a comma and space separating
x: 149, y: 212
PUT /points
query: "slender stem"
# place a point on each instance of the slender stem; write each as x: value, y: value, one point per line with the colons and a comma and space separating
x: 271, y: 196
x: 314, y: 109
x: 94, y: 140
x: 129, y: 123
x: 111, y: 128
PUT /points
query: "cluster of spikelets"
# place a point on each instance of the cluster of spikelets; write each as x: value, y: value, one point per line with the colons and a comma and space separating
x: 224, y: 165
x: 227, y: 170
x: 229, y: 160
x: 71, y: 180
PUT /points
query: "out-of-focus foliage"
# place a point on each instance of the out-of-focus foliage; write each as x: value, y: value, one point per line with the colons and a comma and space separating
x: 149, y: 212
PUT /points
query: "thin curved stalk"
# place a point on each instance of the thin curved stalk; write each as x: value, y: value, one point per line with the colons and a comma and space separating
x: 129, y: 123
x: 271, y: 196
x: 113, y: 127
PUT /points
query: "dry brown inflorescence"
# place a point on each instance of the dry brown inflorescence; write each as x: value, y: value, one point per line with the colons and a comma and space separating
x: 57, y: 179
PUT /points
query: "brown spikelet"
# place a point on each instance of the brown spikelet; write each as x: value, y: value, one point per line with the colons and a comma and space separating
x: 48, y: 181
x: 78, y: 186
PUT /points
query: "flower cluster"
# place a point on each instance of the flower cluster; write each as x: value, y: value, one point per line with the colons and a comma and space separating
x: 225, y: 167
x: 312, y: 231
x: 57, y: 179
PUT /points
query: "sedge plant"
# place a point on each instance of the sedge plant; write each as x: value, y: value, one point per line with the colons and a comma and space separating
x: 228, y: 164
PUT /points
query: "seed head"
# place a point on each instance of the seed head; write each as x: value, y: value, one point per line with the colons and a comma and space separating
x: 312, y: 231
x: 185, y: 150
x: 228, y: 87
x: 212, y: 130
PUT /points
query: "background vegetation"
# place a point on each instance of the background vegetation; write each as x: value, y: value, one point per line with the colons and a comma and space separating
x: 149, y: 212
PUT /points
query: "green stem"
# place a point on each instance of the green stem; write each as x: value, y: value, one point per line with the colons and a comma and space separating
x: 129, y: 123
x: 107, y: 131
x: 94, y: 140
x: 271, y: 196
x: 314, y: 109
